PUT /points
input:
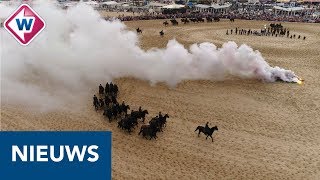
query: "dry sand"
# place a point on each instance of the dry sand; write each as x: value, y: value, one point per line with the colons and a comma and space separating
x: 266, y: 130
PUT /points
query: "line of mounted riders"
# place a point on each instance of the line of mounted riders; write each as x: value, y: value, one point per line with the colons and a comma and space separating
x: 174, y: 22
x: 115, y: 111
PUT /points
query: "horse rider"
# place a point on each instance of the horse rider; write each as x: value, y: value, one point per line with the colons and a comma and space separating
x: 111, y: 88
x: 107, y: 100
x: 140, y: 109
x: 101, y: 89
x: 101, y: 102
x: 160, y: 115
x: 206, y: 128
x: 107, y: 88
x: 95, y: 100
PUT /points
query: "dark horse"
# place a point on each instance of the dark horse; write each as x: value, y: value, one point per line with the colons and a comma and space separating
x: 209, y: 133
x: 174, y: 22
x: 216, y: 19
x: 148, y: 130
x: 139, y: 30
x: 161, y: 33
x: 140, y: 114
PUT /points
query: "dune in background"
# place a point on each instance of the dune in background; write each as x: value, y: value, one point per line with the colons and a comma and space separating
x: 266, y: 130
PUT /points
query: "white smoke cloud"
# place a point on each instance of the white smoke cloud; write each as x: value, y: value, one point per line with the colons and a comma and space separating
x: 78, y: 49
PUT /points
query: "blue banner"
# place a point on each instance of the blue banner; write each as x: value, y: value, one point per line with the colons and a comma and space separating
x: 55, y: 155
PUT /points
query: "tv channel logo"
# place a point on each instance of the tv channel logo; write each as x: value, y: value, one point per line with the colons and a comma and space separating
x: 24, y: 24
x: 55, y: 155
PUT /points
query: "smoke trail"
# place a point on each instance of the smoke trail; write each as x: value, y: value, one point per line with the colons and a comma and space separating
x: 78, y: 49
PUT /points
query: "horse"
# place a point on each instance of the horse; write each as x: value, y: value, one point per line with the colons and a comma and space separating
x: 185, y: 20
x: 116, y: 110
x: 140, y: 114
x: 231, y: 19
x: 200, y: 19
x: 209, y: 19
x: 202, y: 129
x: 148, y: 130
x: 139, y: 30
x: 101, y: 103
x: 166, y: 23
x: 107, y: 101
x: 108, y: 114
x: 114, y: 99
x: 193, y: 20
x: 174, y: 22
x: 124, y: 108
x: 163, y: 120
x: 216, y: 19
x: 161, y: 33
x: 127, y: 123
x: 159, y: 122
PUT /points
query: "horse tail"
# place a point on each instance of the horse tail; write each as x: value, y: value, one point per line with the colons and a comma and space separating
x: 198, y: 128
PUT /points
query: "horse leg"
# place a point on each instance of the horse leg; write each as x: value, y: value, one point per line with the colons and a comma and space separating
x: 211, y: 137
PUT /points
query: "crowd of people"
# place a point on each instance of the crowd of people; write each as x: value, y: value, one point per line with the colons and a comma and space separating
x: 112, y: 110
x: 270, y: 16
x: 276, y: 30
x: 252, y: 15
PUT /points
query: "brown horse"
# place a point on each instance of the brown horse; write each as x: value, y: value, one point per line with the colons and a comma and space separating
x: 208, y: 133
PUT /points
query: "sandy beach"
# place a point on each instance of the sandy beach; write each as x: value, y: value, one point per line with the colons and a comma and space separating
x: 266, y: 130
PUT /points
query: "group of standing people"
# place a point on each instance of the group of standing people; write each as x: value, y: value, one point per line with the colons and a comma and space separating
x: 278, y: 31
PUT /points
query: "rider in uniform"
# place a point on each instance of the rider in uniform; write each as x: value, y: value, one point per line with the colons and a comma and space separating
x: 160, y: 115
x: 101, y: 89
x: 207, y: 127
x: 95, y: 100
